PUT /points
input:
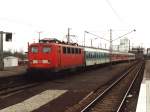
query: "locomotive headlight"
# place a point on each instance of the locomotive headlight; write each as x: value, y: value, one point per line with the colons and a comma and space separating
x: 35, y: 61
x: 45, y: 61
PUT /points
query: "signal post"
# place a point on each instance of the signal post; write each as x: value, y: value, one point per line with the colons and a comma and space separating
x: 8, y: 38
x: 1, y: 51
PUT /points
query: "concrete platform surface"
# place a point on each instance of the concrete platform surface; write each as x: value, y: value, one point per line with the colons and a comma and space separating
x: 144, y: 96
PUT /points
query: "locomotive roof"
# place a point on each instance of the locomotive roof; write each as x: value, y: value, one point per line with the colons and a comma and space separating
x: 54, y: 42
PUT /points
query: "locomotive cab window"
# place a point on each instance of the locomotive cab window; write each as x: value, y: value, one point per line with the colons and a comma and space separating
x: 79, y: 51
x: 46, y: 49
x: 76, y: 50
x: 73, y: 50
x: 34, y: 49
x: 64, y: 50
x: 68, y: 50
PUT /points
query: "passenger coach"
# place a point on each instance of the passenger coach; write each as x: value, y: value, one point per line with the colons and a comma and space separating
x: 95, y: 56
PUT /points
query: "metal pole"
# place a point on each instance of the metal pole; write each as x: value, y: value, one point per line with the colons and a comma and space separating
x: 110, y: 46
x: 129, y: 45
x: 1, y: 51
x: 84, y: 38
x: 39, y: 35
x: 91, y: 43
x: 68, y: 36
x: 100, y: 45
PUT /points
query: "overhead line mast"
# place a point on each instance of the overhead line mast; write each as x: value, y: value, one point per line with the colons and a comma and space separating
x: 68, y: 35
x: 39, y: 35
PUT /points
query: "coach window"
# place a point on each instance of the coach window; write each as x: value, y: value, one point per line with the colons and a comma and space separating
x: 102, y: 56
x: 107, y: 55
x: 34, y: 49
x: 46, y: 49
x: 93, y: 54
x: 87, y: 55
x: 90, y: 56
x: 97, y: 55
x: 64, y: 50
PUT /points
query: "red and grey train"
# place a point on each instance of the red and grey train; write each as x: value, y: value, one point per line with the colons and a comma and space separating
x: 54, y: 55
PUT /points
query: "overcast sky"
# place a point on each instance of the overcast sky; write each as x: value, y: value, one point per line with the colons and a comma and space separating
x: 27, y: 17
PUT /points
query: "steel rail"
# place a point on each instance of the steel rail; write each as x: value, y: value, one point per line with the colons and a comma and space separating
x: 22, y: 87
x: 85, y: 109
x: 125, y: 96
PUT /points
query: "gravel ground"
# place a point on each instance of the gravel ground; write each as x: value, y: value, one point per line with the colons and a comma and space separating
x: 12, y: 71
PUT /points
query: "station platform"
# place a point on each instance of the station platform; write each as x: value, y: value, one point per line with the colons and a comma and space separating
x: 12, y: 71
x: 143, y: 104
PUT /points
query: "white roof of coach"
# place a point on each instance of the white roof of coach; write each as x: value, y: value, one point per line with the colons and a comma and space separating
x: 95, y: 50
x: 103, y: 50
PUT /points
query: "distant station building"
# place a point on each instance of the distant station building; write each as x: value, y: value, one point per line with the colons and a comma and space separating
x: 124, y: 45
x: 10, y: 61
x: 139, y: 52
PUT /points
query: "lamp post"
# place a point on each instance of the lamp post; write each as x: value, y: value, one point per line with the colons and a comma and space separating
x: 92, y: 41
x: 84, y: 37
x: 129, y: 45
x: 110, y: 47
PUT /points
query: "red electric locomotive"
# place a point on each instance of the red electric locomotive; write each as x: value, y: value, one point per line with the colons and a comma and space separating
x: 53, y: 55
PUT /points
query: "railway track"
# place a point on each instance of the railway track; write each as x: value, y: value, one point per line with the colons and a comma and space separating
x: 7, y: 91
x: 111, y: 97
x: 14, y: 85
